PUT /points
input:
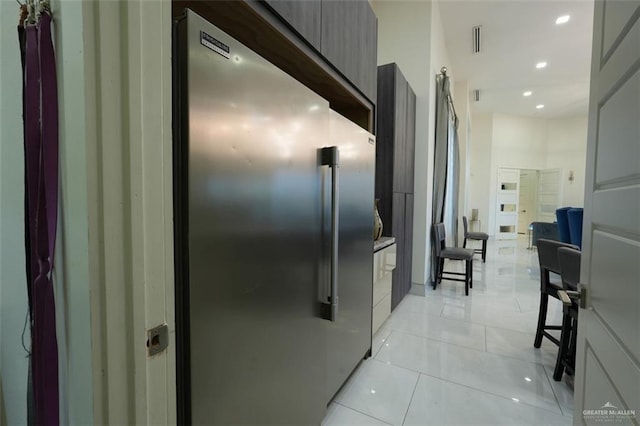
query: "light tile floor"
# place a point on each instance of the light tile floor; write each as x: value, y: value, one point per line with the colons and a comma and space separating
x: 449, y: 359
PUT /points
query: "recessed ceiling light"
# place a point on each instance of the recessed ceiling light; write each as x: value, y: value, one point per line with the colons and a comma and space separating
x: 562, y: 19
x: 539, y: 106
x: 527, y: 93
x: 541, y: 65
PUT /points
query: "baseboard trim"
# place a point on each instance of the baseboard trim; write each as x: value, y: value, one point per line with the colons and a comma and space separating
x: 418, y: 289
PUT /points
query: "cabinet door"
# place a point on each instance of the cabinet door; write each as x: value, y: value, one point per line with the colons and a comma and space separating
x: 399, y: 274
x: 400, y: 134
x: 410, y: 126
x: 367, y: 48
x: 349, y: 41
x: 408, y: 240
x: 302, y: 16
x: 385, y: 144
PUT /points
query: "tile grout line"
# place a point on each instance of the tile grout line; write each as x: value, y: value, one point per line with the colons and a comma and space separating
x: 386, y: 339
x: 360, y: 412
x: 561, y: 413
x: 436, y: 340
x: 466, y: 347
x: 404, y: 419
x: 554, y: 391
x: 477, y: 389
x: 486, y: 344
x: 506, y: 398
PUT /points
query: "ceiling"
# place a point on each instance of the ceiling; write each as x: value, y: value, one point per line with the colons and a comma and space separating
x: 515, y: 36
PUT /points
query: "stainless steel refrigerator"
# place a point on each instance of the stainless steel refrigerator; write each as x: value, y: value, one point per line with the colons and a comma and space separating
x: 274, y: 197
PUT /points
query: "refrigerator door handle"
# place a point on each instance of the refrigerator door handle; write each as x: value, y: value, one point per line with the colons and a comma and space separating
x: 330, y: 157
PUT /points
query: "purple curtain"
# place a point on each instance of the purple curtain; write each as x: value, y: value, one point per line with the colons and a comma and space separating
x: 40, y: 110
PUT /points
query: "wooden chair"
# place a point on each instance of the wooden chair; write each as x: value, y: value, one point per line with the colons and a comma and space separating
x: 442, y: 253
x: 479, y: 236
x: 569, y: 260
x: 548, y: 260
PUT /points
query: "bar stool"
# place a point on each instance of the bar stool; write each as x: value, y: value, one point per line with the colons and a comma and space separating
x: 442, y: 253
x: 478, y: 236
x: 569, y: 260
x: 548, y: 260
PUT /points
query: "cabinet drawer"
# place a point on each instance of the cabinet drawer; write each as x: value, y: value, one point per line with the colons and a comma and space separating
x: 381, y: 312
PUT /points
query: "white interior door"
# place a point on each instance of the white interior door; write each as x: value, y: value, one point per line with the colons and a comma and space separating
x: 608, y: 357
x: 549, y: 194
x: 527, y: 199
x: 507, y: 208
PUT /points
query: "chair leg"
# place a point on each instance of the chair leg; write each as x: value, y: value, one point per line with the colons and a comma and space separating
x: 572, y: 345
x: 466, y: 277
x: 542, y: 318
x: 441, y: 270
x: 471, y: 273
x: 437, y: 274
x: 484, y: 251
x: 563, y: 350
x: 464, y: 243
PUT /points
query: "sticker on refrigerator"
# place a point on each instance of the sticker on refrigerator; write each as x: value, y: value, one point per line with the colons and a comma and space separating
x: 216, y: 45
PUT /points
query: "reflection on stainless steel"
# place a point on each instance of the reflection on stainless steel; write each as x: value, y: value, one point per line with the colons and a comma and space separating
x: 254, y: 233
x: 351, y: 332
x: 257, y: 232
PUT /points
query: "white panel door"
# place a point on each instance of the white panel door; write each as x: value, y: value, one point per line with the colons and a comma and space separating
x: 608, y: 356
x: 549, y: 194
x: 507, y: 207
x: 527, y: 199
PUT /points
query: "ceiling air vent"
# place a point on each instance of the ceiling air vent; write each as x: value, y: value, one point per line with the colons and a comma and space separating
x: 477, y: 38
x: 476, y: 95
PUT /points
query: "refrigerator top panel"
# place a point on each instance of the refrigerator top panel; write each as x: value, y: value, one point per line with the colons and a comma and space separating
x: 250, y: 165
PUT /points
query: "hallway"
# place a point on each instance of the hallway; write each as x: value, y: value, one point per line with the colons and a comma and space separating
x: 450, y: 359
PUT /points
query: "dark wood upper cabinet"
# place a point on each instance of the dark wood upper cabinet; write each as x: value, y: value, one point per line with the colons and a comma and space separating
x: 303, y: 16
x: 349, y: 41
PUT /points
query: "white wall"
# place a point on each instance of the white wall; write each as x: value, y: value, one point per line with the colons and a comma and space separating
x: 501, y: 140
x: 518, y: 142
x: 410, y: 33
x: 13, y: 292
x: 404, y: 38
x: 71, y: 271
x: 567, y: 150
x: 461, y: 102
x: 71, y: 278
x: 71, y: 281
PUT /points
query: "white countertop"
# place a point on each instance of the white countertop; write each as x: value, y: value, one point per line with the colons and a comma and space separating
x: 382, y: 243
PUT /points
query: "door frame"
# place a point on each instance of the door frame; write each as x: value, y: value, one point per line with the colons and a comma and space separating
x: 127, y: 69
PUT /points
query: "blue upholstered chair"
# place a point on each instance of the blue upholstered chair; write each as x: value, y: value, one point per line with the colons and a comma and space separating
x: 564, y: 235
x: 575, y: 226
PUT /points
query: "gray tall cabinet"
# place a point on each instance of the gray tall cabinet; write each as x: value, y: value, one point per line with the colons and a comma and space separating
x: 395, y: 149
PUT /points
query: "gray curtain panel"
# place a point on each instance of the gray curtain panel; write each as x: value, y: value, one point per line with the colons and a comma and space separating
x: 440, y: 154
x: 455, y: 183
x: 445, y: 117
